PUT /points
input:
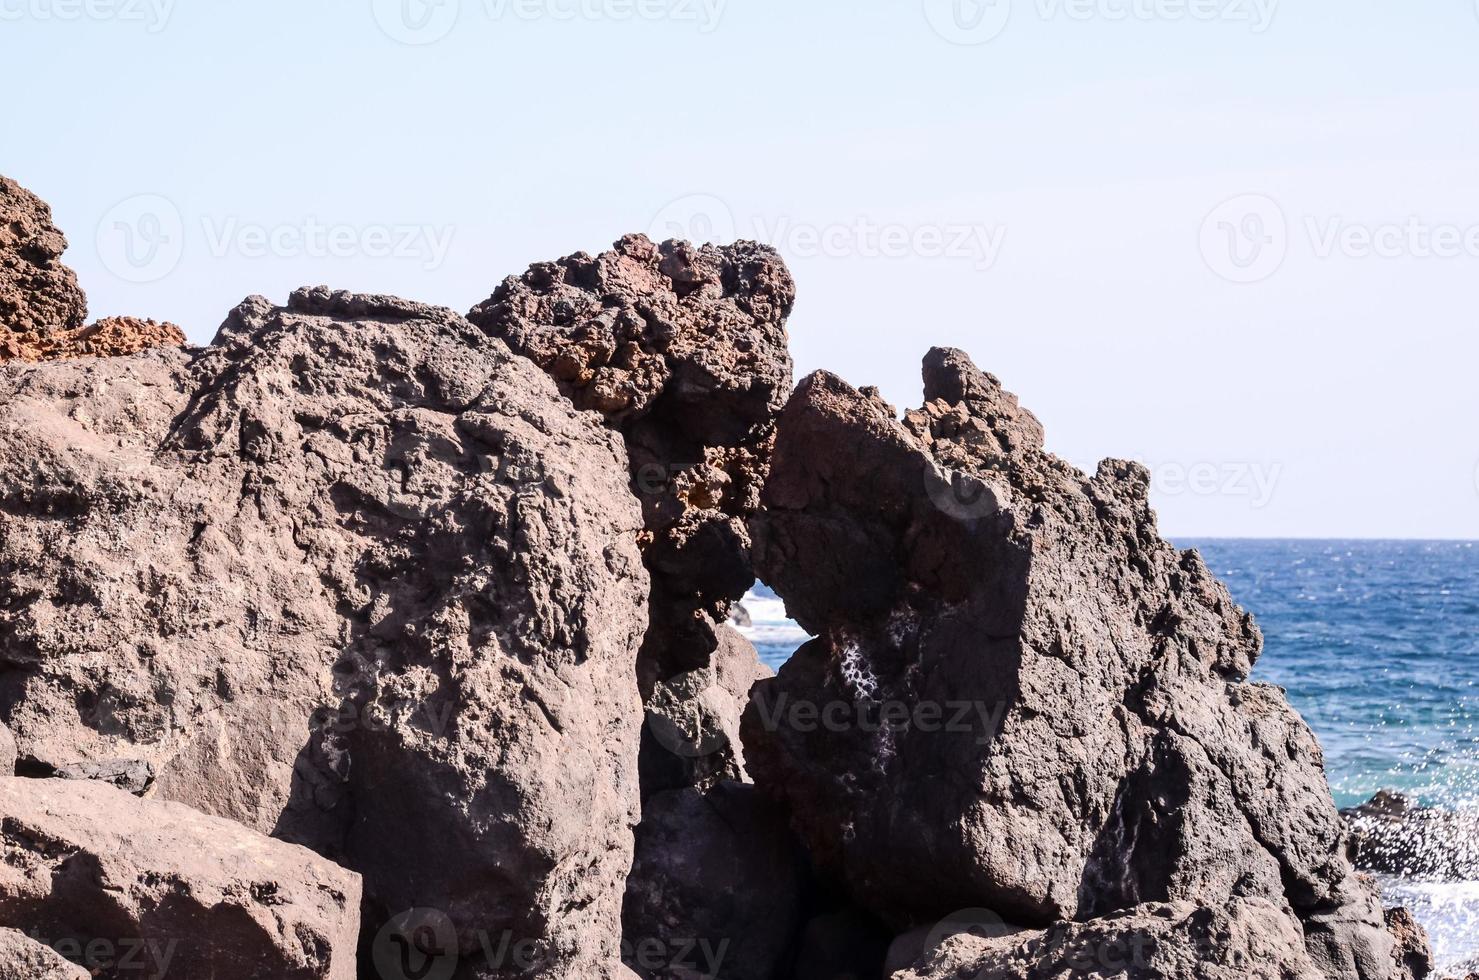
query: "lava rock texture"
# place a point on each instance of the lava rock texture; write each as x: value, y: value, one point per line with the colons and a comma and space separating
x: 38, y: 294
x: 683, y: 351
x: 1021, y: 698
x: 163, y: 890
x: 326, y: 650
x: 354, y: 575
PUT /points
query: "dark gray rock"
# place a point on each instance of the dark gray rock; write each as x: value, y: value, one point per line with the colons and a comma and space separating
x: 1250, y: 939
x: 1021, y: 698
x: 130, y: 775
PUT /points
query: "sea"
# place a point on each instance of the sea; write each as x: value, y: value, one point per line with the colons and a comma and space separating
x: 1377, y: 645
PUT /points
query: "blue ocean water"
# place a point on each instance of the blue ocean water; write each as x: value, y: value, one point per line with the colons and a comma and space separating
x: 1377, y: 644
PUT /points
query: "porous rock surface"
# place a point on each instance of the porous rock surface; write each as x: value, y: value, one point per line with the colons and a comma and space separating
x: 354, y: 575
x: 1029, y: 702
x: 23, y: 958
x: 164, y: 890
x: 683, y: 350
x: 109, y: 337
x: 1250, y: 939
x: 38, y: 294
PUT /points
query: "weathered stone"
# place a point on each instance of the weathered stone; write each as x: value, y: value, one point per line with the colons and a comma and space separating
x: 38, y: 294
x: 356, y: 575
x: 692, y: 734
x: 174, y: 891
x: 22, y: 958
x: 1249, y: 940
x: 682, y: 350
x: 1021, y: 698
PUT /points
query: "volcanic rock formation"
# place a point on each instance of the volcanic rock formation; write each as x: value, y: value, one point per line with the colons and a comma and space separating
x: 1392, y: 835
x: 38, y: 294
x: 683, y: 351
x: 355, y: 575
x: 360, y: 577
x: 109, y: 337
x: 1021, y: 698
x: 159, y: 889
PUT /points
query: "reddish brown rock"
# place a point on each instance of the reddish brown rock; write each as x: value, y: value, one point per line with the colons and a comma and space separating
x: 168, y: 890
x: 116, y: 336
x: 38, y: 294
x: 682, y: 350
x: 23, y: 958
x: 356, y: 576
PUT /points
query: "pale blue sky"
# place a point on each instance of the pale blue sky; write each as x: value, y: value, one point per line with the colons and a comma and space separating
x: 1040, y: 198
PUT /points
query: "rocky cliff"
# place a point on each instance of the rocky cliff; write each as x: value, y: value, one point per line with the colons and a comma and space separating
x: 375, y: 641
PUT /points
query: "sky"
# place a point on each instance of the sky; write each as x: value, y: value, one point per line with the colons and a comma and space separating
x: 1235, y: 239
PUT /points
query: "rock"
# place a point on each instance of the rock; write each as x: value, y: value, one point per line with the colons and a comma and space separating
x: 38, y: 294
x: 354, y: 575
x: 1392, y: 836
x: 717, y: 886
x: 7, y: 751
x: 126, y: 881
x: 1414, y: 955
x: 1007, y: 651
x: 22, y: 958
x: 130, y: 775
x: 683, y: 351
x: 110, y: 337
x: 692, y: 734
x: 1251, y: 939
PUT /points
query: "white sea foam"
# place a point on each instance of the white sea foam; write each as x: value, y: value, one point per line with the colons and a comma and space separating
x: 769, y: 625
x: 1449, y: 910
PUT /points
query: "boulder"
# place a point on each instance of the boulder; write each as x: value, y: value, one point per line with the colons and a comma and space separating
x: 23, y: 958
x: 1020, y: 697
x: 683, y: 351
x: 354, y: 575
x: 157, y: 887
x: 1391, y: 835
x: 692, y: 733
x: 1250, y: 939
x: 716, y: 889
x: 38, y: 294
